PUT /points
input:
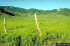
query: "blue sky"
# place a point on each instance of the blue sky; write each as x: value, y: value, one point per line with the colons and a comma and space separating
x: 37, y: 4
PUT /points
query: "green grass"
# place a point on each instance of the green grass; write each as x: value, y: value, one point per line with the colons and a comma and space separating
x: 55, y: 29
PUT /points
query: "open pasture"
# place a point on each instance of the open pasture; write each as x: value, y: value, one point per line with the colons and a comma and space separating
x: 23, y: 31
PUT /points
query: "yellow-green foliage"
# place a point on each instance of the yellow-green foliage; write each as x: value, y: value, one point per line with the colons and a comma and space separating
x: 27, y: 34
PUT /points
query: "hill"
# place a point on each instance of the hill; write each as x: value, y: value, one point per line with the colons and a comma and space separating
x: 63, y: 11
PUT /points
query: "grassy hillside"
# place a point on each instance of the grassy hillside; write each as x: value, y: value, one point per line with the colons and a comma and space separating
x: 63, y: 11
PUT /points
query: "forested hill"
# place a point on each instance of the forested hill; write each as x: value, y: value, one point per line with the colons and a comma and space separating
x: 64, y: 11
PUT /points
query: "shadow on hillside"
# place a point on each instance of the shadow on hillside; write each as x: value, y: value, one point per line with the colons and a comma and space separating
x: 3, y: 11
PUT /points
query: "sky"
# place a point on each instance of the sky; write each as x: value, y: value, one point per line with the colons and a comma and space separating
x: 37, y: 4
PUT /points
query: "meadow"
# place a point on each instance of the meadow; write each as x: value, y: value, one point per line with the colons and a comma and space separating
x: 22, y: 31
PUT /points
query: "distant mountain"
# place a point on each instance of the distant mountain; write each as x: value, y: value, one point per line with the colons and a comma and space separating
x: 64, y: 11
x: 14, y: 9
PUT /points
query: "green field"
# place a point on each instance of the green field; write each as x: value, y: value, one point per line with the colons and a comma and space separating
x: 23, y: 30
